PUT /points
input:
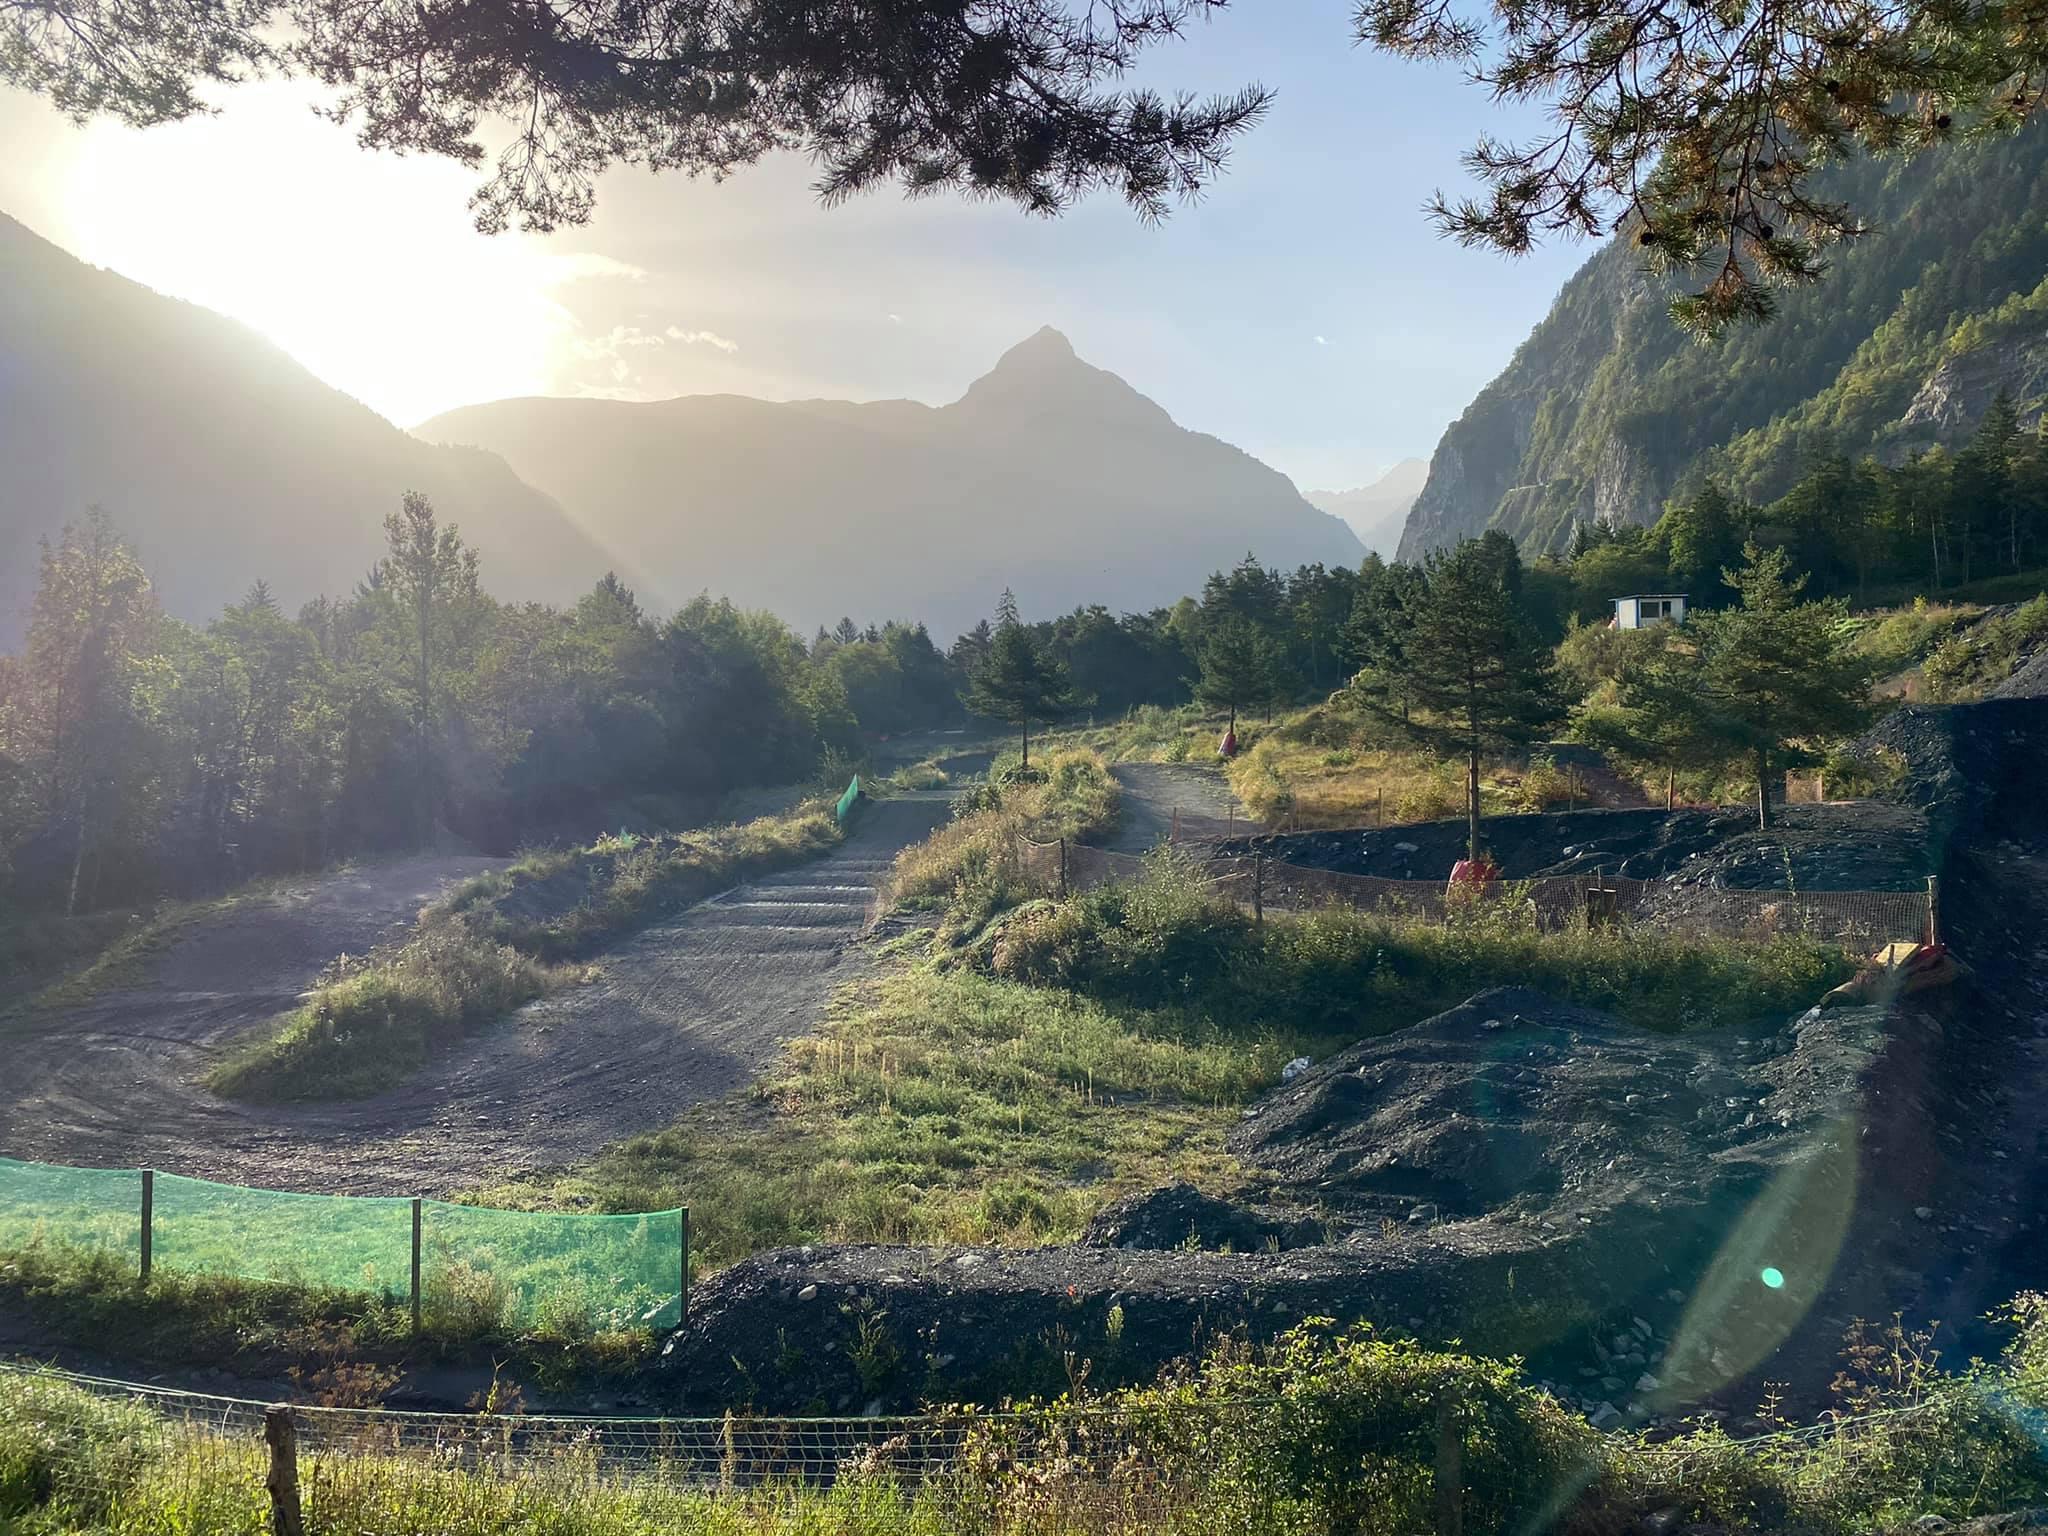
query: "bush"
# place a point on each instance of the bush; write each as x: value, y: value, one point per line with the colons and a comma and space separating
x: 1319, y: 1432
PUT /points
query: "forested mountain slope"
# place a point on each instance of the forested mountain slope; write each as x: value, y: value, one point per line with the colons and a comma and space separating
x: 1608, y: 406
x: 218, y: 456
x: 1049, y: 476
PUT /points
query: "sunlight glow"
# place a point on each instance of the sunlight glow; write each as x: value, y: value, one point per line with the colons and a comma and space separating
x: 364, y: 267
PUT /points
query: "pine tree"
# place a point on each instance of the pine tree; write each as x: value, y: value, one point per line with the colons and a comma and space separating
x: 432, y: 573
x: 1471, y: 674
x: 1757, y: 686
x: 1240, y: 667
x: 1016, y: 681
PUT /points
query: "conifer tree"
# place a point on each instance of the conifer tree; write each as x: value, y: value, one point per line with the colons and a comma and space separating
x: 1240, y: 667
x: 1016, y: 680
x: 1471, y: 675
x: 1760, y: 686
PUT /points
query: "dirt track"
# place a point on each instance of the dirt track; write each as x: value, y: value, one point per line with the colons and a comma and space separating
x: 1153, y: 791
x: 685, y: 1010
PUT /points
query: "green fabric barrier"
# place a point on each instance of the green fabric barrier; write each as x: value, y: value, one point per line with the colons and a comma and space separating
x: 98, y: 1208
x: 847, y: 800
x: 531, y: 1268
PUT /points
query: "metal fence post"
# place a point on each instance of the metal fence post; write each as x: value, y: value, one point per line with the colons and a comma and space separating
x: 683, y: 1294
x: 281, y: 1435
x: 148, y: 1221
x: 1934, y: 909
x: 417, y: 1223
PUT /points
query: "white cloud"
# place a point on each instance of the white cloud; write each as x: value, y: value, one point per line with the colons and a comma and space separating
x: 706, y: 338
x: 895, y: 319
x: 1322, y: 341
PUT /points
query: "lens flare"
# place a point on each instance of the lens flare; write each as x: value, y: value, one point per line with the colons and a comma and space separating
x: 1773, y: 1277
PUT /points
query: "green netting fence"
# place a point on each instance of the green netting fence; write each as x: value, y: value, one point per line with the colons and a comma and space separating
x: 848, y: 800
x: 532, y: 1269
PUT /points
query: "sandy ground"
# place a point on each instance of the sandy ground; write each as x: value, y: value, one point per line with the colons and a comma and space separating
x: 683, y: 1011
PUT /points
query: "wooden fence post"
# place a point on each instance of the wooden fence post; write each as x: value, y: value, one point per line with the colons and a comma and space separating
x: 1063, y: 869
x: 683, y: 1303
x: 1174, y: 835
x: 1381, y: 819
x: 1450, y: 1470
x: 281, y: 1435
x: 148, y: 1221
x: 1258, y: 888
x: 1934, y: 909
x: 417, y: 1223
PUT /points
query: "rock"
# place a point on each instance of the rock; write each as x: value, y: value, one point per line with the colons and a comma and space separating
x: 1407, y: 848
x: 1422, y: 1214
x: 1604, y: 1417
x: 1295, y: 1068
x: 808, y: 1293
x: 1647, y: 1383
x: 1662, y: 1522
x: 1924, y: 1212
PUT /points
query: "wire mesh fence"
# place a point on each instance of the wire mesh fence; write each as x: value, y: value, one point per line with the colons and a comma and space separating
x: 526, y: 1268
x: 123, y: 1456
x: 1858, y: 919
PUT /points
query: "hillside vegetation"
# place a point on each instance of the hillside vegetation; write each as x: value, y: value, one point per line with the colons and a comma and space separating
x: 1608, y: 407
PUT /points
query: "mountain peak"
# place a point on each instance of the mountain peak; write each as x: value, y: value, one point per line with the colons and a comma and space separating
x: 1043, y: 345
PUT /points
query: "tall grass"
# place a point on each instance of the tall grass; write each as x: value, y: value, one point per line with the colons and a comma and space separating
x: 1165, y: 940
x: 1968, y: 665
x: 497, y: 941
x: 1321, y: 1431
x: 969, y: 864
x: 945, y: 1106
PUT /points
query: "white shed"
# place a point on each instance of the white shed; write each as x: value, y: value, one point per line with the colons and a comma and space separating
x: 1647, y: 608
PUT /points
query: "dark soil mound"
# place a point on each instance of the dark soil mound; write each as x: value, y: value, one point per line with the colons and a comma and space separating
x: 1861, y: 845
x: 1181, y: 1216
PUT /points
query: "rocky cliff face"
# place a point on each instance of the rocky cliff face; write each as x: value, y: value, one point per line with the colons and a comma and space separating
x: 1960, y: 388
x: 1608, y: 408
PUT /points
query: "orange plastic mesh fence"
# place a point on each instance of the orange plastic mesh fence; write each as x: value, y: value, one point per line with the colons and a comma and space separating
x: 1857, y: 918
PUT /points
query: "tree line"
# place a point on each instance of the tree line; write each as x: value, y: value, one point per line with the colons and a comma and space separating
x: 140, y: 755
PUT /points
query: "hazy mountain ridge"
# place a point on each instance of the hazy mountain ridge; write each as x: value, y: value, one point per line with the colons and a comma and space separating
x: 1377, y: 512
x: 1607, y: 407
x: 218, y: 456
x: 1048, y: 475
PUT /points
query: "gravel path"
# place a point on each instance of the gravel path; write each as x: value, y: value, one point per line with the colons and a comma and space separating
x: 685, y: 1010
x: 1152, y: 791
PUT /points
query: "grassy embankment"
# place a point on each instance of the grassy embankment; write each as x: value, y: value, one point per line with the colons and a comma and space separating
x: 493, y: 943
x: 1321, y: 1432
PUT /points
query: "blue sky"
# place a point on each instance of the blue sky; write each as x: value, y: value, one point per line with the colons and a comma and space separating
x: 364, y: 267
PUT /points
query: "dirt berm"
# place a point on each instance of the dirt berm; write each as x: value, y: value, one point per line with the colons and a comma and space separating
x: 1658, y: 1221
